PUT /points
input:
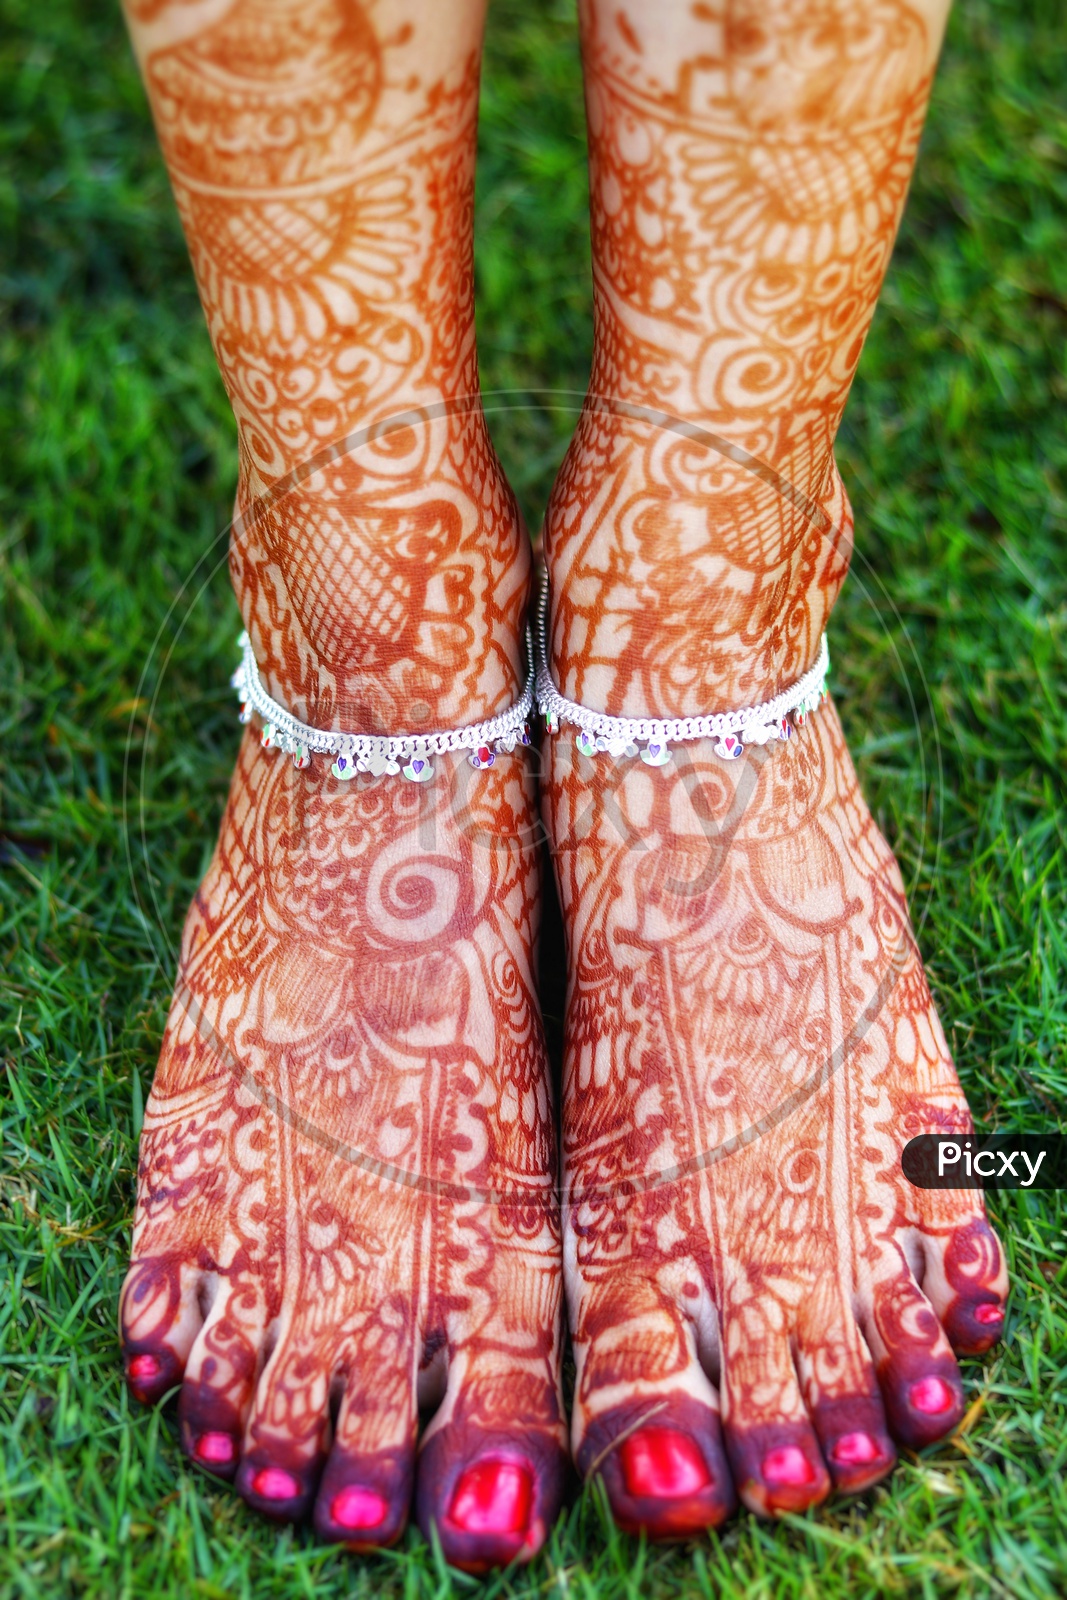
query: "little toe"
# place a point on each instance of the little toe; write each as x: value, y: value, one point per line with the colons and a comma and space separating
x: 159, y: 1318
x: 220, y: 1379
x: 966, y: 1282
x: 920, y: 1382
x: 663, y: 1463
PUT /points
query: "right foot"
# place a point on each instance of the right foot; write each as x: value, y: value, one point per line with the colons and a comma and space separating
x: 345, y: 1205
x: 345, y: 1208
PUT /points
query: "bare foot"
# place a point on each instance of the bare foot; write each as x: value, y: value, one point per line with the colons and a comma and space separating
x: 345, y: 1208
x: 762, y: 1305
x: 345, y: 1205
x: 760, y: 1300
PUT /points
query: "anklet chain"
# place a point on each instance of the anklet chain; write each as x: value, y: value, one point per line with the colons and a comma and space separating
x: 731, y: 730
x: 408, y: 753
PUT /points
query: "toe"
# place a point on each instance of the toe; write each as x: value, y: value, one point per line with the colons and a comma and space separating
x: 646, y: 1416
x: 917, y: 1372
x: 285, y: 1438
x: 365, y: 1493
x: 966, y: 1282
x: 663, y: 1464
x: 493, y: 1463
x: 840, y: 1390
x: 492, y: 1495
x: 159, y: 1318
x: 772, y: 1446
x: 220, y: 1378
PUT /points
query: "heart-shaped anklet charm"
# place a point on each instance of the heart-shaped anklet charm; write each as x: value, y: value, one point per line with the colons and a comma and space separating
x: 418, y: 768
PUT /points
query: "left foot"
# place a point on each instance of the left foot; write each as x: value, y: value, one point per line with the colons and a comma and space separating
x: 762, y: 1305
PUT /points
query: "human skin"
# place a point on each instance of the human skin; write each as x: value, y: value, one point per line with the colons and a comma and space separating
x: 346, y: 1203
x: 762, y: 1307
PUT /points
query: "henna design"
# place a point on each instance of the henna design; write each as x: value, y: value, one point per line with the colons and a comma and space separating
x: 750, y: 1039
x: 745, y: 196
x: 325, y: 187
x: 346, y: 1201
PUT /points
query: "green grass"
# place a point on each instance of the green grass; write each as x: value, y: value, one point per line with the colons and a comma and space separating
x: 950, y: 665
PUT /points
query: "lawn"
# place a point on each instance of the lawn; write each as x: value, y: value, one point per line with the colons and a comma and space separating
x: 118, y: 734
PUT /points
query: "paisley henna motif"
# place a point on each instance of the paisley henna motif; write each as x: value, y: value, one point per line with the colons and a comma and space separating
x: 346, y: 1198
x: 761, y: 1304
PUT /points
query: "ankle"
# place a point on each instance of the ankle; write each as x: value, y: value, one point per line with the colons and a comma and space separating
x: 687, y: 579
x: 388, y: 591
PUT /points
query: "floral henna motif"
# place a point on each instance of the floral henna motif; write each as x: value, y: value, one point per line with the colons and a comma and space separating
x: 761, y: 1304
x: 346, y: 1204
x: 346, y: 1165
x: 746, y: 189
x: 325, y: 182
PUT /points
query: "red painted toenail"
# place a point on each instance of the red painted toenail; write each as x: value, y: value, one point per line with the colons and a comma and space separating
x: 662, y: 1463
x: 855, y: 1449
x: 931, y: 1395
x: 274, y: 1483
x: 788, y: 1464
x: 492, y: 1497
x: 218, y: 1449
x: 354, y: 1507
x: 142, y: 1369
x: 988, y: 1313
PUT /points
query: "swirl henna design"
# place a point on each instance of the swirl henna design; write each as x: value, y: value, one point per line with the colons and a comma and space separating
x: 322, y: 159
x: 346, y: 1202
x: 347, y: 1166
x: 761, y: 1305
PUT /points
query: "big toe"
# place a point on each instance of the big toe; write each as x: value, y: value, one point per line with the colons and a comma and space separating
x: 663, y: 1464
x: 491, y: 1495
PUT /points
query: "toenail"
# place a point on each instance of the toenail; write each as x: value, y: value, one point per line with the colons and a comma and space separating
x: 988, y: 1313
x: 217, y: 1449
x: 931, y: 1395
x: 142, y: 1369
x: 855, y: 1450
x: 354, y: 1507
x: 788, y: 1464
x: 662, y: 1463
x: 274, y: 1483
x: 492, y: 1497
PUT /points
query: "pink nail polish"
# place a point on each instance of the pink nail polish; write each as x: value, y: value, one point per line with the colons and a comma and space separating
x: 274, y: 1483
x: 855, y: 1450
x: 354, y: 1507
x: 663, y: 1464
x: 788, y: 1465
x: 142, y: 1369
x: 215, y: 1449
x: 931, y: 1395
x: 493, y: 1497
x: 988, y: 1313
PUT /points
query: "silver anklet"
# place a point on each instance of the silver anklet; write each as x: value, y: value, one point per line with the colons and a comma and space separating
x: 731, y: 730
x: 407, y: 753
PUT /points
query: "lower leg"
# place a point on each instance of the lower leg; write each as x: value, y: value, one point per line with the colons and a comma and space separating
x: 759, y: 1300
x: 322, y: 158
x: 345, y: 1196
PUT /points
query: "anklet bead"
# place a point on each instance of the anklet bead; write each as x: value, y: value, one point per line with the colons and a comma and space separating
x: 731, y: 731
x: 378, y: 756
